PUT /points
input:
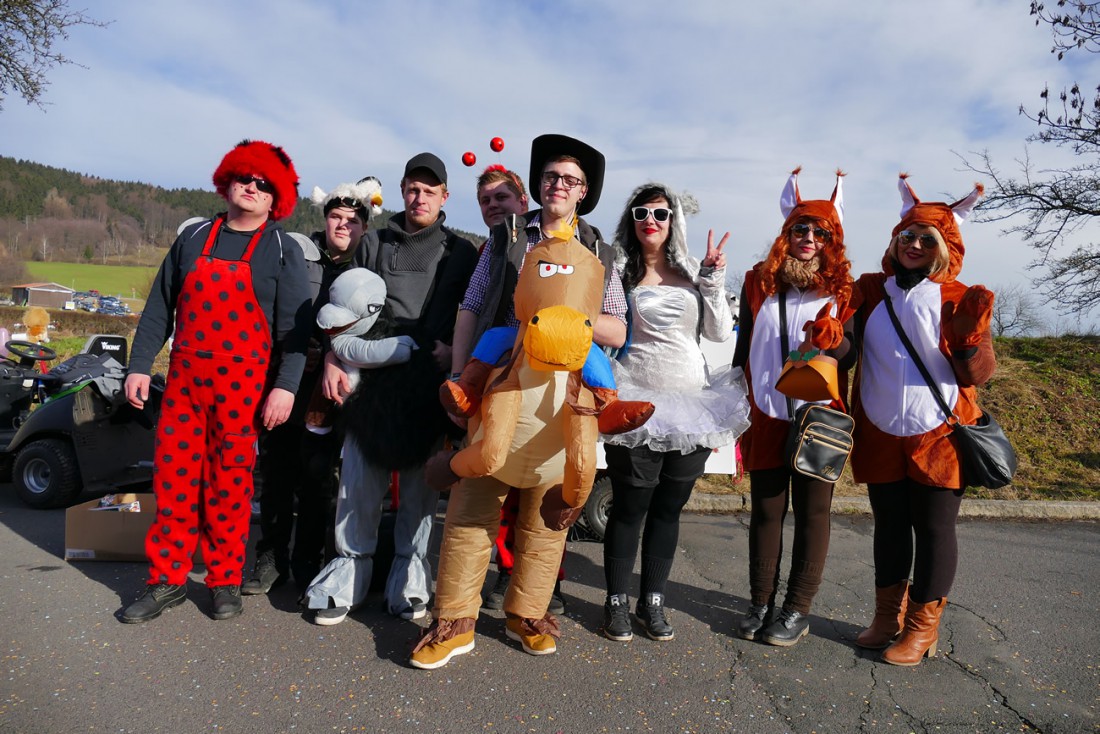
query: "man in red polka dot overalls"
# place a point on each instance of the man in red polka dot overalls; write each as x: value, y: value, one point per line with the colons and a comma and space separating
x: 232, y: 293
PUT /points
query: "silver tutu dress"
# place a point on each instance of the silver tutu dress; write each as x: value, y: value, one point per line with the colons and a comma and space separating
x: 695, y: 405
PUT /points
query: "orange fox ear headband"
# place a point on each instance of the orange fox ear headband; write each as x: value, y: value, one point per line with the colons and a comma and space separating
x: 946, y: 218
x: 830, y: 211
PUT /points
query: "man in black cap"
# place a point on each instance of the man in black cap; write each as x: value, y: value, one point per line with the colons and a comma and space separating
x: 426, y: 268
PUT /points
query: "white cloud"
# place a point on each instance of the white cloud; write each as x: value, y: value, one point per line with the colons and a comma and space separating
x: 719, y: 98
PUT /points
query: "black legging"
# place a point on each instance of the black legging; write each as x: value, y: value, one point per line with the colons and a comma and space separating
x: 905, y: 511
x: 812, y: 501
x: 653, y: 487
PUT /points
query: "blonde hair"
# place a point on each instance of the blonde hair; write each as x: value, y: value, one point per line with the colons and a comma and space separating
x: 941, y: 258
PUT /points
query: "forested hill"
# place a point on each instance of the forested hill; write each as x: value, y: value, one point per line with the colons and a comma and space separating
x: 58, y: 215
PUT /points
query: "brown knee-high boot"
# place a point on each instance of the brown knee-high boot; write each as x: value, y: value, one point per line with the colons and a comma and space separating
x: 920, y: 635
x: 889, y: 616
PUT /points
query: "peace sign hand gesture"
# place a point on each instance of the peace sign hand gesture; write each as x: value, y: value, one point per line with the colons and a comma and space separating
x: 715, y: 257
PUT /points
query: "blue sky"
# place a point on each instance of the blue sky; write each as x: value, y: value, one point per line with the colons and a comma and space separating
x: 720, y: 98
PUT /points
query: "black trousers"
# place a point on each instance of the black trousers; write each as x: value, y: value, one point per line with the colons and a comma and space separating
x: 915, y: 528
x: 649, y: 487
x: 296, y: 464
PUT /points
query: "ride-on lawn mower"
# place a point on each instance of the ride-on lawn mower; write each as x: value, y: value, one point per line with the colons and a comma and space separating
x: 83, y: 435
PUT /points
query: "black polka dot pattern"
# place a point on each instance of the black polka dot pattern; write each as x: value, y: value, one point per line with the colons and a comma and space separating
x: 206, y: 436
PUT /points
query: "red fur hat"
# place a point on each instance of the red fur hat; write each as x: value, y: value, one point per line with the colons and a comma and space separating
x: 270, y: 162
x: 944, y: 217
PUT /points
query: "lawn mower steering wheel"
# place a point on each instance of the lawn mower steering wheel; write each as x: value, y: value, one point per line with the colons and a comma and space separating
x: 31, y: 352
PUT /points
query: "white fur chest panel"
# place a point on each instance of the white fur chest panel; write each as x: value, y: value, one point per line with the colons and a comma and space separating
x: 894, y: 395
x: 765, y: 352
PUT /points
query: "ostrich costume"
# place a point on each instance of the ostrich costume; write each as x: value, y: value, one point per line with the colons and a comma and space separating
x: 392, y: 420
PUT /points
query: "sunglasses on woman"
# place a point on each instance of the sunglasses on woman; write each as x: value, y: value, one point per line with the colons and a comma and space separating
x: 927, y: 240
x: 820, y: 233
x: 660, y: 214
x: 262, y: 184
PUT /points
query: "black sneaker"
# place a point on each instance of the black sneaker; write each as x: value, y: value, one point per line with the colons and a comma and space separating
x: 227, y: 601
x: 332, y: 615
x: 557, y: 601
x: 755, y: 620
x: 495, y: 598
x: 154, y: 600
x: 651, y: 613
x: 265, y: 576
x: 787, y: 629
x: 616, y: 618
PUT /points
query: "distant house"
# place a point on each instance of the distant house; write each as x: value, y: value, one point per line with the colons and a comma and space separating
x: 46, y: 295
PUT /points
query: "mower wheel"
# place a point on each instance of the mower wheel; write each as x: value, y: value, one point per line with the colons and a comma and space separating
x: 46, y: 474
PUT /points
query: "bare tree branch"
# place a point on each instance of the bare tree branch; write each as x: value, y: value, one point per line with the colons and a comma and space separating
x: 1055, y: 209
x: 29, y: 31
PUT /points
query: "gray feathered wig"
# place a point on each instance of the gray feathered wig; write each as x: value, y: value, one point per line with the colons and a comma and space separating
x: 629, y: 255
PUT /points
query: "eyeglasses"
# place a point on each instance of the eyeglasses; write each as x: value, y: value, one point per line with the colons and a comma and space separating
x: 820, y: 233
x: 660, y: 214
x: 550, y: 179
x: 927, y: 240
x: 262, y: 184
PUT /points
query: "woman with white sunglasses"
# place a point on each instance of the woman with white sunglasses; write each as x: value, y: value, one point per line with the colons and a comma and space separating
x: 673, y: 298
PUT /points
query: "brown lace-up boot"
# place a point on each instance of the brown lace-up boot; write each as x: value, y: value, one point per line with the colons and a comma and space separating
x: 889, y: 616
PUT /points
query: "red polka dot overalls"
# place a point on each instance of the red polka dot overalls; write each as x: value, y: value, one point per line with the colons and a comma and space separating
x: 206, y: 436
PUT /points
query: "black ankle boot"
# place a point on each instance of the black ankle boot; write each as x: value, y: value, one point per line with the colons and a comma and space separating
x: 227, y: 601
x: 755, y: 620
x: 787, y: 629
x: 153, y: 601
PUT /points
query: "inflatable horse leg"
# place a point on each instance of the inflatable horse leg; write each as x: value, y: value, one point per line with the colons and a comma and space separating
x: 486, y: 455
x: 462, y: 397
x: 615, y: 416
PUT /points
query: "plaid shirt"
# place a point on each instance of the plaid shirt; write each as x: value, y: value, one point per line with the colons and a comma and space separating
x: 614, y: 300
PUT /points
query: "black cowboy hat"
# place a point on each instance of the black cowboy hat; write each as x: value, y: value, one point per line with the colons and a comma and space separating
x: 547, y: 147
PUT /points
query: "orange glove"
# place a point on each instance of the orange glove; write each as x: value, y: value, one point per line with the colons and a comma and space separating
x: 965, y: 324
x: 824, y: 332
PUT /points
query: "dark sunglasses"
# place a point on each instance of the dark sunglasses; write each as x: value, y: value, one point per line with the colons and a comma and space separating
x: 927, y: 240
x: 262, y: 184
x: 660, y: 214
x: 820, y: 233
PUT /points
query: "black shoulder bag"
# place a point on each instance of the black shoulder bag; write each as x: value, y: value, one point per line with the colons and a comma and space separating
x: 820, y: 439
x: 985, y: 454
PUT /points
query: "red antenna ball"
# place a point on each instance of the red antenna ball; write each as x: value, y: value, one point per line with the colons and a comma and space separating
x: 469, y: 158
x: 497, y: 144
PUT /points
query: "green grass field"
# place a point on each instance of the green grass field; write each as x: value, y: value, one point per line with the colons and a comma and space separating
x: 111, y: 280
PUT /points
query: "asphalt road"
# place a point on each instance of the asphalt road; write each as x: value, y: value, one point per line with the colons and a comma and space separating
x: 1019, y: 650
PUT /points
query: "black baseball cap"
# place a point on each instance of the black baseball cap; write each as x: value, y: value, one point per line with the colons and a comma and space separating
x: 429, y: 162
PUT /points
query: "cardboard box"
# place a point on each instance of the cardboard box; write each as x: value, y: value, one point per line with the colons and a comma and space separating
x: 110, y: 535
